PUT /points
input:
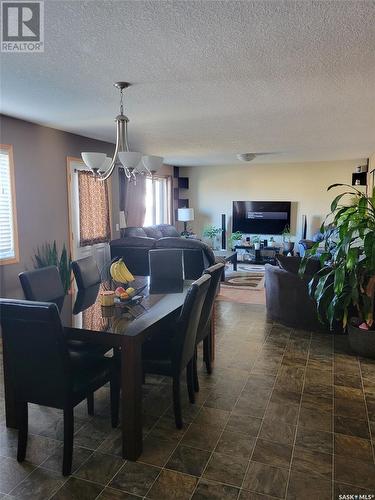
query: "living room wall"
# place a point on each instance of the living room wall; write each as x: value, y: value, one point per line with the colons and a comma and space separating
x: 212, y: 189
x: 41, y: 189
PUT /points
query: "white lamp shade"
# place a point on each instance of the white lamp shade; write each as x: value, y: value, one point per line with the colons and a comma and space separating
x: 129, y: 159
x: 152, y: 163
x: 185, y: 214
x: 95, y: 161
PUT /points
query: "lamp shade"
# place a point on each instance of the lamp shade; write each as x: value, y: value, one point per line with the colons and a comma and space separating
x: 129, y: 159
x: 185, y: 214
x: 152, y: 163
x: 94, y: 161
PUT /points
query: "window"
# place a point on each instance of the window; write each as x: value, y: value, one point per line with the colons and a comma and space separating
x: 8, y: 216
x: 94, y: 223
x: 158, y: 201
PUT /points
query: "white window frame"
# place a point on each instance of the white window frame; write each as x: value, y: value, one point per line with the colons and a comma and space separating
x: 16, y: 257
x: 161, y: 207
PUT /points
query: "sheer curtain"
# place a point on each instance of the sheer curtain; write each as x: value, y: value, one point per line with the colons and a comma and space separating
x: 94, y: 222
x: 133, y: 199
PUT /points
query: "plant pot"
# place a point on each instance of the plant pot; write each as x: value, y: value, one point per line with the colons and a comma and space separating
x: 288, y: 246
x: 362, y: 342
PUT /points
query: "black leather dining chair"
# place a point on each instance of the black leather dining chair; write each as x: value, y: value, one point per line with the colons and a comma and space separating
x: 43, y: 371
x: 45, y: 285
x: 86, y: 272
x: 166, y: 270
x: 205, y: 322
x: 173, y: 353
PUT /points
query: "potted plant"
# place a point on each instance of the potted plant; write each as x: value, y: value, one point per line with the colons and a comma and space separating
x: 272, y: 242
x: 47, y: 255
x: 235, y: 238
x: 211, y: 232
x: 256, y: 242
x: 287, y: 243
x: 344, y: 288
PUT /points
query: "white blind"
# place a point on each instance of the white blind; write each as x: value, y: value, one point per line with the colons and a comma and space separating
x: 7, y: 247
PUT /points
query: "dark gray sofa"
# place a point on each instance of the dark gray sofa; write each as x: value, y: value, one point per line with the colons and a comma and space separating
x: 287, y: 297
x: 136, y: 242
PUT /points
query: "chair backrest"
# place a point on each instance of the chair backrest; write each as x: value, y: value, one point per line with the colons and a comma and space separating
x: 215, y: 272
x: 35, y: 350
x: 187, y: 324
x: 43, y: 285
x: 86, y: 272
x: 166, y: 270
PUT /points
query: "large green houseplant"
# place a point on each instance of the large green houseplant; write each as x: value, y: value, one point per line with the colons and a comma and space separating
x: 344, y: 288
x: 47, y: 255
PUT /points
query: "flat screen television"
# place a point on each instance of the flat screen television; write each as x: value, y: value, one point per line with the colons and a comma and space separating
x: 261, y: 217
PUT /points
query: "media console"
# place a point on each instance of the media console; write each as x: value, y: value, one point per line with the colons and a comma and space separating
x: 265, y: 255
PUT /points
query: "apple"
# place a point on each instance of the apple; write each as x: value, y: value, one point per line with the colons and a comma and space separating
x: 119, y: 290
x: 130, y: 291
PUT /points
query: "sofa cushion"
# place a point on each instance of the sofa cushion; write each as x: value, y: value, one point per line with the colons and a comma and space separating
x: 174, y: 242
x: 134, y: 241
x: 168, y: 230
x: 291, y: 264
x: 134, y: 231
x: 153, y: 232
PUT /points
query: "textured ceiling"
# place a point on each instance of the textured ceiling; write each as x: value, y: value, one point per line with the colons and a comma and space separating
x: 211, y: 78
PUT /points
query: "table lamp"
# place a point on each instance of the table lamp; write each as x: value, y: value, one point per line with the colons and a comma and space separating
x: 185, y: 215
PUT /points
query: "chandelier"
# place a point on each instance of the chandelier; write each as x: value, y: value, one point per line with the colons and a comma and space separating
x: 133, y: 163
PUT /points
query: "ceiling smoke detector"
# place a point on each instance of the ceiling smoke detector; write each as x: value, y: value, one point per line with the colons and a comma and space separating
x: 246, y: 156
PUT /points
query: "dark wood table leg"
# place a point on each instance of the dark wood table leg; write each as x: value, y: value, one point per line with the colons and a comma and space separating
x: 131, y: 398
x: 234, y: 261
x: 10, y: 403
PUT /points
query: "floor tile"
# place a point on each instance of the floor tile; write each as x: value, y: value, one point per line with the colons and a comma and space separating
x: 266, y: 479
x: 156, y: 451
x: 320, y: 421
x: 315, y: 440
x: 307, y: 487
x: 355, y: 472
x: 271, y: 453
x: 172, y: 485
x: 135, y: 478
x: 188, y: 460
x: 100, y: 468
x: 226, y: 469
x: 212, y: 417
x: 41, y: 484
x: 76, y: 489
x: 236, y: 444
x: 351, y: 427
x: 201, y: 436
x: 112, y: 494
x: 354, y: 447
x: 277, y: 431
x: 245, y: 424
x: 12, y: 473
x: 210, y: 490
x: 314, y: 463
x: 54, y: 461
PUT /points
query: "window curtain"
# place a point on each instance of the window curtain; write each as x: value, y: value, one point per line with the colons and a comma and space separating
x: 133, y: 199
x: 94, y: 223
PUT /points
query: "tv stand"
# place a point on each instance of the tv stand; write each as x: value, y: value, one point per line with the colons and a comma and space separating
x: 265, y: 255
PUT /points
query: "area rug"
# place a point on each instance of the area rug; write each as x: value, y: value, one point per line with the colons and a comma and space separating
x: 244, y: 279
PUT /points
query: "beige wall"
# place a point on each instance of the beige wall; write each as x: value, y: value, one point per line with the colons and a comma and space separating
x: 41, y: 189
x: 212, y: 189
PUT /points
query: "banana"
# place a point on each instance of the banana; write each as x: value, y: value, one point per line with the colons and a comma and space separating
x: 120, y: 272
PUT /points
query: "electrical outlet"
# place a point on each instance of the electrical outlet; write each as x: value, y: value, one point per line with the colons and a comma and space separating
x: 117, y: 227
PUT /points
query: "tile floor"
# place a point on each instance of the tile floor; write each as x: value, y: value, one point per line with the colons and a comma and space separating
x: 286, y: 414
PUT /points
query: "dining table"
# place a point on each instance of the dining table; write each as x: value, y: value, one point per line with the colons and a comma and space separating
x: 124, y: 326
